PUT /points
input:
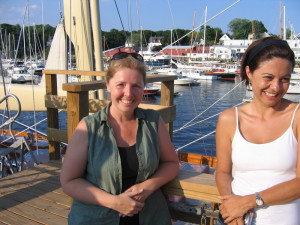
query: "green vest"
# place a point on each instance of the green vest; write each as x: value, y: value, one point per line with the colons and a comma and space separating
x: 104, y: 170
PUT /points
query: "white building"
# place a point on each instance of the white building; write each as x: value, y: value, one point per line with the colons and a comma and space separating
x: 229, y: 49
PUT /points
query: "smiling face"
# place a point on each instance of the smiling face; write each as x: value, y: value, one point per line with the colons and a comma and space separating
x: 270, y: 81
x: 126, y: 88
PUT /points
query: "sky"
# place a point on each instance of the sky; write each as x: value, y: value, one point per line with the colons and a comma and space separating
x: 160, y: 14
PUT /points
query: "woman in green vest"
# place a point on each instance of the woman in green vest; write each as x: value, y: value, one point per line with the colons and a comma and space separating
x: 119, y: 157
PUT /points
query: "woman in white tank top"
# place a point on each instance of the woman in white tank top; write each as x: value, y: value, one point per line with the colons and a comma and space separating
x: 258, y: 143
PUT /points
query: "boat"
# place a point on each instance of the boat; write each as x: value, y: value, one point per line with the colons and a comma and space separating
x: 295, y: 76
x: 36, y: 68
x: 198, y: 75
x: 153, y: 58
x: 185, y: 81
x: 151, y: 90
x: 294, y: 87
x: 221, y: 75
x: 21, y: 75
x: 181, y: 80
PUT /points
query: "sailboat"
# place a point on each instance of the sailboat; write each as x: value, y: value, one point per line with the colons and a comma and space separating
x: 32, y: 96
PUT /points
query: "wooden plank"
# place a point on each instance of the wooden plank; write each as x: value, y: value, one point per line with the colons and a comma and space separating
x: 168, y: 113
x: 60, y: 102
x: 194, y: 185
x: 77, y: 109
x: 56, y: 102
x: 57, y: 135
x: 75, y: 72
x: 41, y: 181
x: 53, y: 163
x: 7, y: 217
x: 167, y: 99
x: 198, y: 159
x: 42, y: 204
x: 84, y: 86
x: 44, y: 183
x: 37, y: 189
x: 31, y: 179
x: 52, y: 114
x: 158, y: 77
x: 34, y: 214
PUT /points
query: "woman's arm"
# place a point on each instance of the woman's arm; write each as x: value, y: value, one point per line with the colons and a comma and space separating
x: 233, y: 205
x: 168, y: 167
x: 231, y: 211
x: 224, y: 132
x: 73, y: 168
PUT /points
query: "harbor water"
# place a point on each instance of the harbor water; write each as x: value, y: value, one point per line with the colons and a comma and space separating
x: 197, y: 109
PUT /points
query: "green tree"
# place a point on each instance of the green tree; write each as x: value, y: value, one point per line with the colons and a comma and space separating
x: 211, y: 34
x: 241, y: 28
x: 136, y: 39
x: 146, y: 36
x: 258, y: 28
x: 115, y: 38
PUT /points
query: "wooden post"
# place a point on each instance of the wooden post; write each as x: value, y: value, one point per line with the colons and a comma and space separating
x: 77, y: 108
x: 167, y: 99
x: 52, y: 115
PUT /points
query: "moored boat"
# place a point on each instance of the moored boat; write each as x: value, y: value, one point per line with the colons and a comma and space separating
x: 198, y: 75
x: 21, y: 75
x: 150, y: 90
x: 221, y: 75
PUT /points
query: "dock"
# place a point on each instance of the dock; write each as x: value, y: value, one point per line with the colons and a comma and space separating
x: 34, y: 196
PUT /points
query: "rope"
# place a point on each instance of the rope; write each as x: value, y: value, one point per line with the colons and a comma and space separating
x: 120, y: 20
x: 192, y: 142
x: 32, y: 81
x: 212, y: 104
x: 202, y: 137
x: 201, y: 121
x: 27, y: 128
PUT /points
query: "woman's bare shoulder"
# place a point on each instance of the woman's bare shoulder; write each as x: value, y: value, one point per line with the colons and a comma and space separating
x: 228, y: 115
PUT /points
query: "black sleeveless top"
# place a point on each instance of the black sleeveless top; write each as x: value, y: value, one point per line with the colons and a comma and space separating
x: 130, y: 166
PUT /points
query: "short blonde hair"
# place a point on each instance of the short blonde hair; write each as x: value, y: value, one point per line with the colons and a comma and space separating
x: 127, y: 62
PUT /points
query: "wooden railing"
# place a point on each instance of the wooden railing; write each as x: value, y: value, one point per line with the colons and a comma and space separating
x: 76, y: 102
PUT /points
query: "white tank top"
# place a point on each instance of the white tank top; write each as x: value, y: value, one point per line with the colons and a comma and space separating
x: 257, y: 167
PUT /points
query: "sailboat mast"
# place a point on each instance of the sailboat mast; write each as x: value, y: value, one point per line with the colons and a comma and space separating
x: 284, y: 25
x: 204, y: 34
x: 253, y: 31
x: 24, y: 43
x: 192, y: 38
x: 70, y: 39
x: 141, y: 38
x: 97, y: 37
x: 43, y: 32
x: 280, y: 19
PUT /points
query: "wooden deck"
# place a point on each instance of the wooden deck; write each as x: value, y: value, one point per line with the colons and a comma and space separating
x: 34, y: 196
